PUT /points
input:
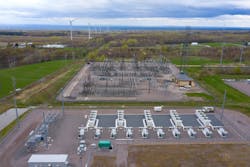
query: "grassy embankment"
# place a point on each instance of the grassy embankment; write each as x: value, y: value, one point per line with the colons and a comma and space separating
x: 46, y: 93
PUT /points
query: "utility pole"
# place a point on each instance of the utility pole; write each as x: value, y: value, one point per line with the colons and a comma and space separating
x: 15, y: 105
x: 222, y: 53
x: 223, y: 104
x: 241, y: 53
x: 43, y: 117
x: 62, y: 101
x: 149, y: 79
x: 184, y: 52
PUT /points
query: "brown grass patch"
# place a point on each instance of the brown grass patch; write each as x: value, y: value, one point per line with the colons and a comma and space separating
x: 104, y: 161
x: 189, y: 155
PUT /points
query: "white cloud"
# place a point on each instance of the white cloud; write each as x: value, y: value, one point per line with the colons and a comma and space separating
x: 245, y: 4
x: 87, y: 4
x: 81, y: 5
x: 127, y: 12
x: 224, y: 20
x: 16, y: 13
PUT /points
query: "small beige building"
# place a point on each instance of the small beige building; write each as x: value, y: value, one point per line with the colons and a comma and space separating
x: 183, y: 80
x: 48, y: 160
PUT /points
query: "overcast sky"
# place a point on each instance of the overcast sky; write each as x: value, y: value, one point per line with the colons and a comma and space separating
x: 127, y: 12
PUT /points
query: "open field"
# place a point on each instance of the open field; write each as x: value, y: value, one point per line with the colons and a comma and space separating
x: 196, y: 60
x: 27, y: 74
x: 220, y: 44
x: 189, y: 155
x: 43, y: 93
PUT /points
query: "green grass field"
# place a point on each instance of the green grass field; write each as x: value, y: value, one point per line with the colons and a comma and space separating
x: 214, y: 84
x: 195, y: 60
x: 27, y: 74
x: 202, y: 95
x: 217, y: 85
x: 220, y: 44
x: 48, y: 96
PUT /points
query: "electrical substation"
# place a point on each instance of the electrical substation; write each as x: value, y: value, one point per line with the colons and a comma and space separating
x: 148, y: 80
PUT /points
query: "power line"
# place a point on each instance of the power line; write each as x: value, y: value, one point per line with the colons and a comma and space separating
x: 223, y: 104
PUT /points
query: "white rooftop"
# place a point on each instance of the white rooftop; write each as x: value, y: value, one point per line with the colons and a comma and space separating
x: 34, y: 158
x: 53, y: 46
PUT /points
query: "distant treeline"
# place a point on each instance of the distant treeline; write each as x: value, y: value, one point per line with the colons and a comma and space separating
x: 12, y: 33
x: 34, y: 33
x: 12, y: 57
x: 141, y: 45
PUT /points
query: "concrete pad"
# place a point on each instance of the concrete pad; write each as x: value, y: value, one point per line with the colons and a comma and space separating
x: 106, y: 120
x: 215, y: 121
x: 190, y: 120
x: 162, y: 120
x: 134, y: 120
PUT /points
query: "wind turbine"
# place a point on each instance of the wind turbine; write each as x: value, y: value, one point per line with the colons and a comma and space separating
x: 71, y: 28
x: 89, y: 31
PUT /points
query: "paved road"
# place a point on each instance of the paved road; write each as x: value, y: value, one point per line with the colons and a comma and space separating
x: 7, y: 117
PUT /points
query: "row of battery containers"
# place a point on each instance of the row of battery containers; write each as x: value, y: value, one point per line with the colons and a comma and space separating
x: 159, y: 131
x: 129, y: 133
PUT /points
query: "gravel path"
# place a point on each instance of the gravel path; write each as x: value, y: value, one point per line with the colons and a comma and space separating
x: 7, y: 117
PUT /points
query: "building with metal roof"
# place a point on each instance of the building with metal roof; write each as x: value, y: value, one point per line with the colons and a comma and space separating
x: 183, y: 80
x: 47, y: 160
